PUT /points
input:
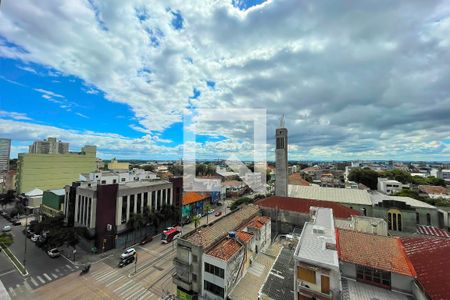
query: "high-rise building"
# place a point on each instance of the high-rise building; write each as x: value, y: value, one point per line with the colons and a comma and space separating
x: 281, y: 160
x: 5, y: 149
x: 49, y: 146
x: 53, y: 171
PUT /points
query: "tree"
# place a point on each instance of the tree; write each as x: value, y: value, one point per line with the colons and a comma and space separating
x: 399, y: 175
x: 196, y: 220
x: 6, y: 239
x: 365, y: 176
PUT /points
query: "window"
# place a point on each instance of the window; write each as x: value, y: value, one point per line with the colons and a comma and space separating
x: 371, y: 275
x: 428, y: 219
x: 194, y: 258
x: 164, y: 197
x: 394, y: 221
x: 417, y: 218
x: 325, y: 284
x: 364, y: 211
x: 139, y: 203
x: 214, y: 270
x: 124, y: 210
x: 280, y: 143
x: 194, y: 277
x: 103, y: 181
x: 89, y: 213
x: 131, y: 203
x: 145, y: 199
x: 158, y: 195
x: 306, y: 274
x: 399, y: 219
x: 215, y: 289
x: 153, y: 200
x: 389, y: 221
x: 78, y: 211
x: 122, y: 179
x: 114, y: 181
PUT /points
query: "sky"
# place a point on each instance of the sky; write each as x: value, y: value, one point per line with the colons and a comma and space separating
x: 354, y: 79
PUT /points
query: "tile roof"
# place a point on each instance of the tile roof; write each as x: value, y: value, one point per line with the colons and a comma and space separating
x: 244, y: 236
x: 431, y: 230
x: 430, y: 258
x: 191, y: 197
x: 225, y: 249
x: 296, y: 179
x: 303, y: 206
x: 205, y: 236
x: 258, y: 222
x: 433, y: 189
x: 355, y: 290
x: 348, y: 196
x: 380, y: 252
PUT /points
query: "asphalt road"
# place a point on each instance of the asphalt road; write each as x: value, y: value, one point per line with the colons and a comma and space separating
x: 41, y: 268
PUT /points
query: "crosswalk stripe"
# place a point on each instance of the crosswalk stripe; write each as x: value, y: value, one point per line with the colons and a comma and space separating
x: 104, y: 274
x: 109, y: 277
x: 11, y: 291
x: 142, y: 295
x: 54, y: 275
x: 135, y: 293
x: 57, y: 270
x: 122, y: 286
x: 40, y: 279
x: 33, y: 281
x: 131, y: 289
x: 48, y: 277
x: 69, y: 267
x: 112, y: 282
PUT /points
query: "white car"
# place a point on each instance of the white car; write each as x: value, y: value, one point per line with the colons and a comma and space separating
x: 53, y: 252
x: 35, y: 237
x: 127, y: 253
x: 211, y: 211
x: 6, y: 228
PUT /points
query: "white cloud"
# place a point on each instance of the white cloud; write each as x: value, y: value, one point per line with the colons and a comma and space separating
x: 352, y: 81
x: 13, y: 115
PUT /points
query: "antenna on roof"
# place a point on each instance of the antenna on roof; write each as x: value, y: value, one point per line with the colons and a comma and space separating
x: 282, y: 121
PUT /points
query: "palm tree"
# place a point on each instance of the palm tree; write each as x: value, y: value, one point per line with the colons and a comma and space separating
x: 196, y: 220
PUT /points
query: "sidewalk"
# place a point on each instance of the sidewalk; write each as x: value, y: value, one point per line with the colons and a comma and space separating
x: 82, y: 257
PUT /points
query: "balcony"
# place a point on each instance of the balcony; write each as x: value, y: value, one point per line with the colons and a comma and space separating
x: 313, y: 293
x: 182, y: 282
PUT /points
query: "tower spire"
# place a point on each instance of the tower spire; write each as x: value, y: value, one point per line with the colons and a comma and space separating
x: 282, y: 121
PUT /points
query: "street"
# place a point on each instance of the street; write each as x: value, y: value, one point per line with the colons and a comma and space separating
x: 56, y: 278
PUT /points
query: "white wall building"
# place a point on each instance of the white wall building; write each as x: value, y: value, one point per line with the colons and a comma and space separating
x: 389, y: 186
x: 316, y: 260
x: 111, y: 177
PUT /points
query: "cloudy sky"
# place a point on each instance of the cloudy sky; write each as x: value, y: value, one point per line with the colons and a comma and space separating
x: 355, y: 79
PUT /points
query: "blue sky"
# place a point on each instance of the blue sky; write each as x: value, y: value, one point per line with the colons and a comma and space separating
x: 121, y: 76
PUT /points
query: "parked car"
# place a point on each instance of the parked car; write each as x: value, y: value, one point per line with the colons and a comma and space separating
x: 4, y: 213
x: 126, y: 261
x: 211, y: 211
x: 146, y: 239
x: 218, y: 213
x: 35, y: 237
x: 53, y: 253
x: 127, y: 253
x: 29, y: 233
x: 6, y: 228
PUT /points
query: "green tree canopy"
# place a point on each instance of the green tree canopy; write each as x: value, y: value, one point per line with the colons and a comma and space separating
x: 365, y: 176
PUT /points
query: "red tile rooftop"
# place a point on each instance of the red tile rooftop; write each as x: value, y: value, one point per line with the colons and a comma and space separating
x: 244, y: 236
x: 434, y: 231
x: 430, y: 257
x: 258, y: 222
x: 379, y: 252
x: 297, y: 179
x: 303, y: 205
x: 225, y: 249
x: 192, y: 197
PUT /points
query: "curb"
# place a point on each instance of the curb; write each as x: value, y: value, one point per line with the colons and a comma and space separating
x: 12, y: 261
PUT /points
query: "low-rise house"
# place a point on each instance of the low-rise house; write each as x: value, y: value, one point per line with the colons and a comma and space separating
x: 434, y: 192
x: 193, y: 204
x: 316, y: 260
x: 189, y: 263
x: 53, y: 202
x: 379, y: 261
x: 389, y: 186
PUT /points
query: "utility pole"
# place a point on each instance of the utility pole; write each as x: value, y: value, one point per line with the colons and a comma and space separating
x: 25, y: 247
x: 135, y: 263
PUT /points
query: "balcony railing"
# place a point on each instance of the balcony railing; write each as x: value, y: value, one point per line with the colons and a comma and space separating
x: 316, y: 294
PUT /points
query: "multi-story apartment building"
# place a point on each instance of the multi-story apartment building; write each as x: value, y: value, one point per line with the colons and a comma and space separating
x: 317, y: 273
x: 105, y: 209
x: 49, y: 146
x: 389, y: 186
x: 5, y: 149
x: 191, y: 272
x: 111, y: 177
x: 53, y: 171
